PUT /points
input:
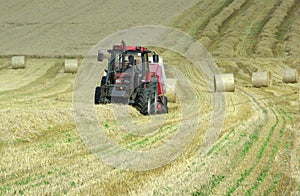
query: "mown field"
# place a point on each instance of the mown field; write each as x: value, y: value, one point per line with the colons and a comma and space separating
x: 256, y: 153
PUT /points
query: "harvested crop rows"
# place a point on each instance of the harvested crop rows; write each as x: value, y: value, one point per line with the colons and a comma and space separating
x: 256, y: 153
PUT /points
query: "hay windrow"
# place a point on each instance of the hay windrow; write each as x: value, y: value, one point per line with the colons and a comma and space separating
x: 212, y: 29
x: 292, y: 45
x: 267, y: 36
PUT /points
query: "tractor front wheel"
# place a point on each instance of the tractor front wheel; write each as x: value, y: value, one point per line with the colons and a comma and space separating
x: 147, y: 100
x: 97, y: 94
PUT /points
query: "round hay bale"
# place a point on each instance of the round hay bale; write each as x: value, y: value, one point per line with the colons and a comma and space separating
x: 290, y: 76
x: 171, y: 89
x: 71, y: 65
x: 261, y: 79
x: 224, y: 83
x: 18, y: 62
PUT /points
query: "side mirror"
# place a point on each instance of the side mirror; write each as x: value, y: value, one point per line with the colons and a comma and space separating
x: 100, y: 56
x: 155, y: 58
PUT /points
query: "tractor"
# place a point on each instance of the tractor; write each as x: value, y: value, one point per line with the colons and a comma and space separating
x: 134, y: 76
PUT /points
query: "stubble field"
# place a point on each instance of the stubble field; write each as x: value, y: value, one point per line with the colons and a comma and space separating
x: 256, y: 153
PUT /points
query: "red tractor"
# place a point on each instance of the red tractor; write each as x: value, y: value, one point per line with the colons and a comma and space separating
x: 132, y: 78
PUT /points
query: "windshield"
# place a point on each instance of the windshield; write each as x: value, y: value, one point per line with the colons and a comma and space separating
x: 130, y: 59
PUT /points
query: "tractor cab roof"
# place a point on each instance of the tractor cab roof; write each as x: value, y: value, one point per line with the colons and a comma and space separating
x: 120, y: 48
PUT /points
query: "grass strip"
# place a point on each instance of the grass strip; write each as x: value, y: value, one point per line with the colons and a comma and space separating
x: 258, y: 158
x: 262, y: 176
